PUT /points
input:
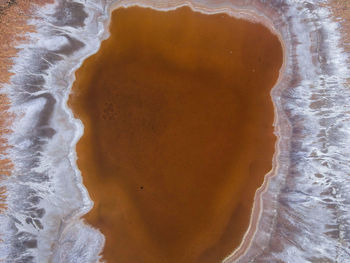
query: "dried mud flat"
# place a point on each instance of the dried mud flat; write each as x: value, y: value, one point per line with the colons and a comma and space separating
x: 300, y: 213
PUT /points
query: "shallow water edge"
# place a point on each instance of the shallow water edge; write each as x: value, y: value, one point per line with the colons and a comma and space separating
x: 45, y: 196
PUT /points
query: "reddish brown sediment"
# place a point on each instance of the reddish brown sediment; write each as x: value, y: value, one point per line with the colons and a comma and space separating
x: 263, y: 251
x: 13, y: 27
x: 210, y: 247
x: 341, y: 11
x: 341, y: 14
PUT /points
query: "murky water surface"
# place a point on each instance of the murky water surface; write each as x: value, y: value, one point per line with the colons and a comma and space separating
x: 178, y: 132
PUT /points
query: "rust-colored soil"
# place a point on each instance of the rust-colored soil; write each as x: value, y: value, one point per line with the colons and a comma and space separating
x: 13, y: 26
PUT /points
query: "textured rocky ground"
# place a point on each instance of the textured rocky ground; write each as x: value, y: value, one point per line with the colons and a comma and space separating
x: 301, y: 211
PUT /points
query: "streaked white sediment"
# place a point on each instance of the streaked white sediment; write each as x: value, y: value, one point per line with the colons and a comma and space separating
x: 45, y: 195
x: 305, y: 206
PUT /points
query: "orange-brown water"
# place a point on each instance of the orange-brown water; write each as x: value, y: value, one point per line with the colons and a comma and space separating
x: 178, y: 132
